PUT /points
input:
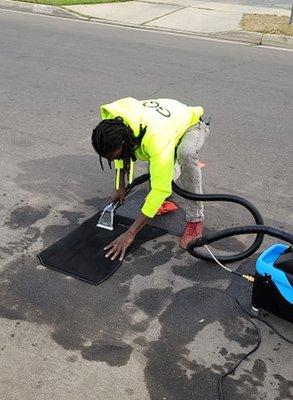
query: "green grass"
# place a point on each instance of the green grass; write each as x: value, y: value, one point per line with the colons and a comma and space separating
x: 70, y: 2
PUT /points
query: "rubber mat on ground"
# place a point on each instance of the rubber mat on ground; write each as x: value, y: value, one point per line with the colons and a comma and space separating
x: 81, y: 254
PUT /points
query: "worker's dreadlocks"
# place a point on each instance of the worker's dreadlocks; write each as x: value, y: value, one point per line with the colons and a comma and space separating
x: 111, y: 134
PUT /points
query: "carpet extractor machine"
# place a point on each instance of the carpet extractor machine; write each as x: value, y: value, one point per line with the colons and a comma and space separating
x: 273, y: 278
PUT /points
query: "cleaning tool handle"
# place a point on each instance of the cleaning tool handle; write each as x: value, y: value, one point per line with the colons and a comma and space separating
x: 137, y: 181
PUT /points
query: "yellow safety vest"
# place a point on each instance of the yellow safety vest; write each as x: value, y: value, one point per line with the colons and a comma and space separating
x: 166, y: 120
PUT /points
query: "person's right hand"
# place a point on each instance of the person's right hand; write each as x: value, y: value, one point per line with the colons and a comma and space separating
x: 118, y: 195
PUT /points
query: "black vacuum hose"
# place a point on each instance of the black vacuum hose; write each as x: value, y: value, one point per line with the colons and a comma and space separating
x: 231, y: 199
x: 241, y: 230
x: 259, y: 229
x: 216, y: 197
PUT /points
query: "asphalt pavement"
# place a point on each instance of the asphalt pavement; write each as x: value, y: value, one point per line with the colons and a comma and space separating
x: 164, y: 325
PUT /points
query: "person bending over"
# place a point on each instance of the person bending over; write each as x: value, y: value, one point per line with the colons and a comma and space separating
x: 163, y: 132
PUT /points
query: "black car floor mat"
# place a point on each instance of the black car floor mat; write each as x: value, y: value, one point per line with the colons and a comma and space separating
x: 81, y: 254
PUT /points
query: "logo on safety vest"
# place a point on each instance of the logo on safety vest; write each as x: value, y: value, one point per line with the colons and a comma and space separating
x: 161, y: 110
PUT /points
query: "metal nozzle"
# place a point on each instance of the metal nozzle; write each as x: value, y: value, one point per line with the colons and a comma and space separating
x: 107, y: 217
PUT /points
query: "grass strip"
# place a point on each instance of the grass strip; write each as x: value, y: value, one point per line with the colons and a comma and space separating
x: 265, y: 23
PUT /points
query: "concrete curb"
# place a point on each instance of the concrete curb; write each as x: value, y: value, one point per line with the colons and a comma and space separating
x: 277, y: 41
x: 240, y: 36
x: 39, y: 9
x: 234, y: 36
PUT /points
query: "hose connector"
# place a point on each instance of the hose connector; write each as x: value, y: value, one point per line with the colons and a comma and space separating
x: 248, y: 277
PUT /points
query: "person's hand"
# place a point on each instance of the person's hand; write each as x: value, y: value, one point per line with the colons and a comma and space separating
x: 119, y: 246
x: 118, y: 195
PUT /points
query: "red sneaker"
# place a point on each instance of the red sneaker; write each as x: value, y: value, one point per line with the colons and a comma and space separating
x: 167, y: 207
x: 192, y: 231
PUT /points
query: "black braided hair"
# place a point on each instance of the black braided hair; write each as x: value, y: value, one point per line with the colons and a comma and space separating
x: 111, y: 134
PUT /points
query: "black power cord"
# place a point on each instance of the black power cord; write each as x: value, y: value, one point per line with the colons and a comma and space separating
x: 240, y: 307
x: 290, y: 341
x: 230, y: 371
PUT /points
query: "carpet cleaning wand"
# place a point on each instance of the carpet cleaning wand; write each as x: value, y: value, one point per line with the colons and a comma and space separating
x: 106, y: 220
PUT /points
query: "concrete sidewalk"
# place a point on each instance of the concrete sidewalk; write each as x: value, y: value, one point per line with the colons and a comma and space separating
x: 205, y: 18
x: 202, y: 18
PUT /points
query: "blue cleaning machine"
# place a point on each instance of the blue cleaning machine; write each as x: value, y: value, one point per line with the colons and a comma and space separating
x: 273, y: 284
